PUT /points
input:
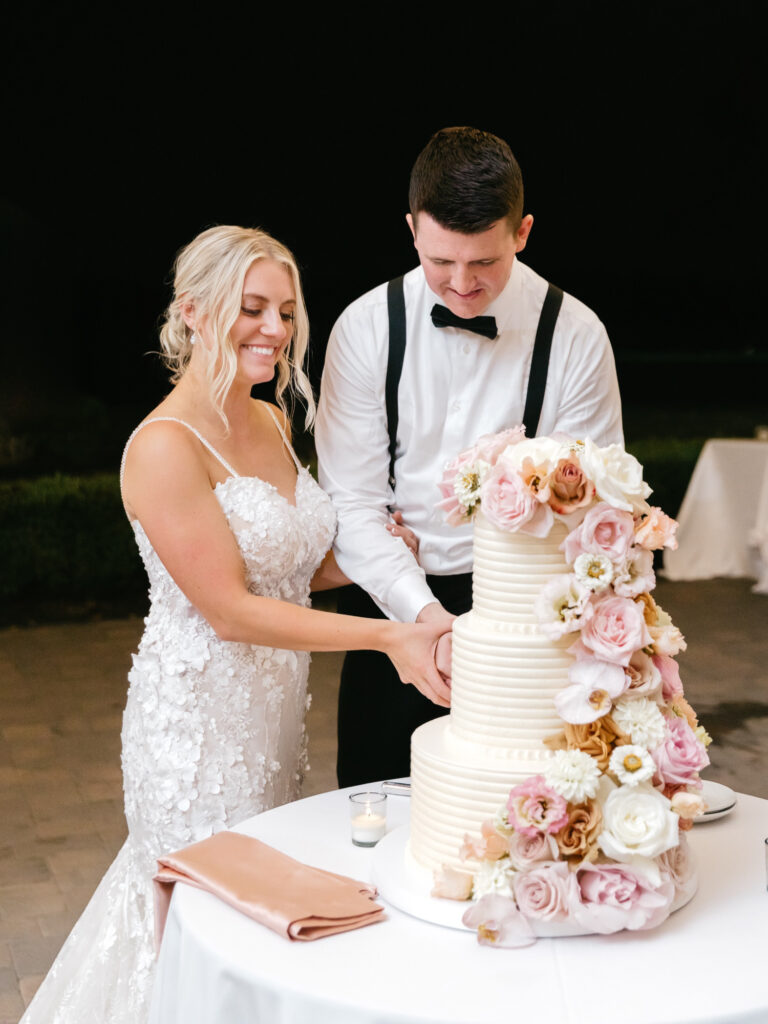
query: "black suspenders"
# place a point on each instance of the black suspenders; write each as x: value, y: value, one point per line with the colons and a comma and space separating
x: 537, y: 378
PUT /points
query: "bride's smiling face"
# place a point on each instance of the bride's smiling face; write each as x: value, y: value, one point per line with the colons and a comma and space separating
x: 264, y: 326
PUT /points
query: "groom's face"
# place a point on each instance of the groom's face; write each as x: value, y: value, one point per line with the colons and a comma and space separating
x: 467, y: 272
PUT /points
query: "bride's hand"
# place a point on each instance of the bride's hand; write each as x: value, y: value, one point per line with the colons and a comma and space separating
x: 412, y: 651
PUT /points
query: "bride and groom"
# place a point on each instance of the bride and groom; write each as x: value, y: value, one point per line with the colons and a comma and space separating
x: 234, y: 532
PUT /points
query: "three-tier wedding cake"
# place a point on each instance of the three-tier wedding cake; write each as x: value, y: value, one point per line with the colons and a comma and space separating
x: 566, y: 774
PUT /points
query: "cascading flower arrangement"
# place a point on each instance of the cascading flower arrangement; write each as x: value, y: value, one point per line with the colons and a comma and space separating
x: 596, y: 839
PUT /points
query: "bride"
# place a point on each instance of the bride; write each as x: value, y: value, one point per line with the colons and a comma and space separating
x: 234, y: 533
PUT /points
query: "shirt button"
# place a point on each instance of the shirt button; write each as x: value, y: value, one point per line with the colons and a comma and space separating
x: 467, y: 349
x: 455, y: 406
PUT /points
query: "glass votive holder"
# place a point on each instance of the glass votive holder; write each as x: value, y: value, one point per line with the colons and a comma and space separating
x: 368, y: 817
x: 765, y: 843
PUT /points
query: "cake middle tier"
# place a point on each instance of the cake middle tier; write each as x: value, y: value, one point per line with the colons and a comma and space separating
x: 505, y: 679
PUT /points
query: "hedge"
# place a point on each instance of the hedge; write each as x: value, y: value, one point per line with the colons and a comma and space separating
x: 66, y: 538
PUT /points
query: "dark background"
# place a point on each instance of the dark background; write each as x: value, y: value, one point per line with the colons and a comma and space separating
x: 638, y: 128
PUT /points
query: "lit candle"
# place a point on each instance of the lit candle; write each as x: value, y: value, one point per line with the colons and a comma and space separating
x: 368, y: 818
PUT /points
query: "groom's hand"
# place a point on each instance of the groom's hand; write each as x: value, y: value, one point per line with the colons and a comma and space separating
x: 436, y: 613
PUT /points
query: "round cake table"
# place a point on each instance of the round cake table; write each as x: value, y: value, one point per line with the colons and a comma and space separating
x: 707, y: 963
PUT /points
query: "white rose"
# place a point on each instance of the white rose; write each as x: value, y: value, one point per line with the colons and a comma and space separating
x: 617, y: 476
x: 493, y: 876
x: 541, y: 450
x: 638, y: 821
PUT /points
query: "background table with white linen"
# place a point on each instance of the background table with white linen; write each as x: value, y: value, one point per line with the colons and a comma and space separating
x: 723, y: 520
x: 706, y: 963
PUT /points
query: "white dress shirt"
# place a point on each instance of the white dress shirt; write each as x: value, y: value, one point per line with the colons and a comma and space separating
x: 455, y: 387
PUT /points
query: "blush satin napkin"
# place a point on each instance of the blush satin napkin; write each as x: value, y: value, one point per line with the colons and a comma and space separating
x: 291, y: 898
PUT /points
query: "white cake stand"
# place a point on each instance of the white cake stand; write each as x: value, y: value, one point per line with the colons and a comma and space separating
x: 406, y: 885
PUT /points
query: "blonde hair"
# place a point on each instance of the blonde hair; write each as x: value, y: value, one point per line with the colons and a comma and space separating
x: 211, y: 271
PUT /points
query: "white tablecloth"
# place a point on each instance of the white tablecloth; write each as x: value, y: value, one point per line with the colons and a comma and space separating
x: 707, y: 963
x: 723, y: 520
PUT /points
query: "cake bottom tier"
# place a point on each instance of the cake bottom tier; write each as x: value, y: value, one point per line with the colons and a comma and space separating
x: 455, y: 787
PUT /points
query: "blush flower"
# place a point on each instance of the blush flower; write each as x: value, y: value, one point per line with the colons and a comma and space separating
x: 573, y: 774
x: 527, y: 850
x: 670, y: 676
x: 534, y: 807
x: 499, y: 923
x: 569, y: 488
x: 656, y: 530
x: 604, y: 530
x: 546, y: 892
x: 451, y: 883
x: 643, y: 678
x: 490, y: 446
x: 615, y: 630
x: 680, y: 755
x: 614, y: 896
x: 509, y: 505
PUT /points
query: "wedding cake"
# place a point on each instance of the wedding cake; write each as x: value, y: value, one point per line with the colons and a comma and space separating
x: 566, y: 774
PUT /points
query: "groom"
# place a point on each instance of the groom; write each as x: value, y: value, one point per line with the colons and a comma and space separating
x: 415, y: 372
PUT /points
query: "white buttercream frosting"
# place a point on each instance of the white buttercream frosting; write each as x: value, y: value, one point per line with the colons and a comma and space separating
x: 506, y: 674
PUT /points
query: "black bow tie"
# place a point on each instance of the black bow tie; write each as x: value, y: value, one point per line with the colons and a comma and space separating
x: 485, y: 325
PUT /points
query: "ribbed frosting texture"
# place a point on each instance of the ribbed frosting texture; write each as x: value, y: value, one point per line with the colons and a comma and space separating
x: 506, y: 674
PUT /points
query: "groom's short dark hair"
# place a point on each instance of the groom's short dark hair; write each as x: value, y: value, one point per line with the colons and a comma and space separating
x: 467, y: 179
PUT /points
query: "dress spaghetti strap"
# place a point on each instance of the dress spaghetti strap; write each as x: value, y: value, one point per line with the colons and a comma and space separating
x: 286, y: 442
x: 173, y: 419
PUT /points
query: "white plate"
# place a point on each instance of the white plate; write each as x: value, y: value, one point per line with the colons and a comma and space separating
x: 720, y: 800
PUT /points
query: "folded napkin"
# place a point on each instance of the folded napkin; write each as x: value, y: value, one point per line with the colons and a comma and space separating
x: 293, y: 899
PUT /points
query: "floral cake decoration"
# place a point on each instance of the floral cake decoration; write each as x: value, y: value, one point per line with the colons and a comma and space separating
x: 597, y: 838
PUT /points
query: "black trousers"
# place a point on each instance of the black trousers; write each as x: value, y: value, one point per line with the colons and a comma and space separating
x: 377, y: 712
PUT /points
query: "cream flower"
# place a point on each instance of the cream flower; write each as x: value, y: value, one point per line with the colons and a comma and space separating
x: 638, y: 822
x: 493, y: 876
x: 561, y: 606
x: 617, y: 476
x: 468, y: 481
x: 688, y: 805
x: 594, y: 571
x: 641, y: 720
x: 631, y: 764
x: 573, y: 774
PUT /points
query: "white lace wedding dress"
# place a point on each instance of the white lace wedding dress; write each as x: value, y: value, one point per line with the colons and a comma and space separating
x: 213, y: 732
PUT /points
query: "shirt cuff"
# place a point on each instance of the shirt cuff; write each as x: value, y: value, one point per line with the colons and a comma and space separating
x: 407, y: 596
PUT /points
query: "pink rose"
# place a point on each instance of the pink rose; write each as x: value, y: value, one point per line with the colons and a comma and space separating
x: 569, y: 487
x: 490, y: 446
x: 452, y: 884
x: 678, y: 866
x: 643, y: 676
x: 681, y: 755
x: 605, y: 530
x: 490, y: 845
x: 655, y: 530
x: 615, y: 630
x: 526, y: 850
x: 508, y: 504
x: 499, y: 922
x: 534, y: 807
x: 615, y: 896
x: 546, y: 892
x: 670, y: 676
